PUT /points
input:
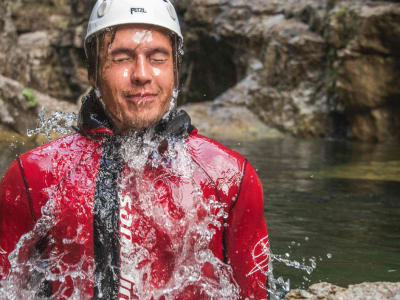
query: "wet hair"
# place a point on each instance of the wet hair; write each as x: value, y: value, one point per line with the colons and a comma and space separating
x: 93, y: 46
x: 96, y: 42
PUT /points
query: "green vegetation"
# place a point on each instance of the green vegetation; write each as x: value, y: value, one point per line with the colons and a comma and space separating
x: 347, y: 20
x: 30, y: 96
x: 341, y: 14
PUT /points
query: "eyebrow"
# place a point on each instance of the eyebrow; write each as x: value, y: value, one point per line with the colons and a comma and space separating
x: 130, y: 51
x: 121, y: 51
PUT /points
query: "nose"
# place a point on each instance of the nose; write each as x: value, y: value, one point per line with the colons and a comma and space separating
x: 141, y: 74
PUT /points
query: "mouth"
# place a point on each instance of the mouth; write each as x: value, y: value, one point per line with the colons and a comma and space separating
x: 140, y: 97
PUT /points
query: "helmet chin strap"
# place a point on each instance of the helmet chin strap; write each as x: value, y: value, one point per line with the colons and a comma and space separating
x: 176, y: 68
x: 97, y: 61
x: 96, y: 76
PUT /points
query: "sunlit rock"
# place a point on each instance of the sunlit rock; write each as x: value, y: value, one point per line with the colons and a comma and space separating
x: 229, y: 122
x: 362, y: 291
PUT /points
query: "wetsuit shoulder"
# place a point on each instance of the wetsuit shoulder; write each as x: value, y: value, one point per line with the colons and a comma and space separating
x: 222, y: 165
x: 57, y: 157
x: 49, y: 164
x: 207, y: 147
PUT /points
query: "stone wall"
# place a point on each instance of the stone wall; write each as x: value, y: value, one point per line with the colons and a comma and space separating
x: 309, y: 68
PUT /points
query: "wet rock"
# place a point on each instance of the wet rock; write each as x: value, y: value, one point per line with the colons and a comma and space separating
x: 20, y: 105
x: 228, y: 122
x: 362, y: 291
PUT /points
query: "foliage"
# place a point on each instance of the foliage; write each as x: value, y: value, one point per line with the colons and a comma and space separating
x: 30, y: 96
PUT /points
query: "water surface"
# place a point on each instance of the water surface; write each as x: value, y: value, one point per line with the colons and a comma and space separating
x: 334, y: 198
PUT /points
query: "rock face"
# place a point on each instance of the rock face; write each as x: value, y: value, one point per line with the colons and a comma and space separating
x: 310, y: 68
x: 44, y: 45
x: 363, y: 291
x: 20, y: 106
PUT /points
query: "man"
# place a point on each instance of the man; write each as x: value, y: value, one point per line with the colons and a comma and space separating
x: 137, y: 204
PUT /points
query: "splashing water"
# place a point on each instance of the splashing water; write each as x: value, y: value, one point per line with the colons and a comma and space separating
x: 279, y: 287
x: 59, y: 122
x: 183, y: 223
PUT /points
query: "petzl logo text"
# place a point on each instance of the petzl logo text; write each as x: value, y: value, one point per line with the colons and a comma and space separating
x: 138, y: 10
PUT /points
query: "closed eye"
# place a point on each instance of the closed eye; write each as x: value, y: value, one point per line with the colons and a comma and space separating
x: 158, y: 60
x: 121, y: 59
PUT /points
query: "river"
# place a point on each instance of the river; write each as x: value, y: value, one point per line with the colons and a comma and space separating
x: 337, y: 201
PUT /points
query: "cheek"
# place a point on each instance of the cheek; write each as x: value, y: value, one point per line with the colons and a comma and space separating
x: 166, y: 76
x: 117, y: 78
x: 126, y: 73
x: 156, y: 71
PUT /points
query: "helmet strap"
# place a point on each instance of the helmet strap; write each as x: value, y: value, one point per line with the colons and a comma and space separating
x: 176, y: 46
x: 97, y: 60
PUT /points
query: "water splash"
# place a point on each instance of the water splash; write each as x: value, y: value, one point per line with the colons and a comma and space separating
x: 59, y: 122
x: 183, y: 223
x: 279, y: 287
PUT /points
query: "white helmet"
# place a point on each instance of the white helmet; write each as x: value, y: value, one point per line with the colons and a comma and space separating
x: 108, y: 13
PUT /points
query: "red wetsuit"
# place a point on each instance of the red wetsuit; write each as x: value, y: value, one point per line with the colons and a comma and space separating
x: 91, y: 233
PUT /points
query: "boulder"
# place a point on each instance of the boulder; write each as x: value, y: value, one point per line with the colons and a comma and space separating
x: 362, y: 291
x: 228, y: 122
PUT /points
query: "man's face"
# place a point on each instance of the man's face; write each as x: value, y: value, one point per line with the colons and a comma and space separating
x: 136, y: 76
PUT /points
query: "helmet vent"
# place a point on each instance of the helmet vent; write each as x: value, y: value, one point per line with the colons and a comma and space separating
x: 171, y: 11
x: 102, y: 9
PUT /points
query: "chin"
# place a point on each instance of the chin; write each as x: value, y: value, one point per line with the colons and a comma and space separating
x: 142, y: 123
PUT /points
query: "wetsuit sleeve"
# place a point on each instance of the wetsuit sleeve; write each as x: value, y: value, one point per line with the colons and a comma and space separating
x: 15, y: 213
x: 246, y: 238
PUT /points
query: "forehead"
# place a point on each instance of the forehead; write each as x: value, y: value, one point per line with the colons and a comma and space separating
x: 133, y: 35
